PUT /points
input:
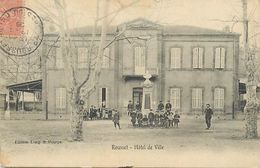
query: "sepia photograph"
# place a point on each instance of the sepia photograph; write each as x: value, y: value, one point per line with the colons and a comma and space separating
x: 129, y: 83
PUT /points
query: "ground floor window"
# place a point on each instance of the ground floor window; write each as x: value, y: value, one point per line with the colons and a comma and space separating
x: 197, y: 98
x: 175, y: 98
x: 219, y: 98
x: 103, y: 97
x: 60, y: 99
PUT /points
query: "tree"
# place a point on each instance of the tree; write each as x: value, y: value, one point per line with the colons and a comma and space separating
x: 250, y: 63
x: 78, y: 89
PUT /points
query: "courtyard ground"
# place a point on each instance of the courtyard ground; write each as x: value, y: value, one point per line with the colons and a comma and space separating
x: 46, y: 143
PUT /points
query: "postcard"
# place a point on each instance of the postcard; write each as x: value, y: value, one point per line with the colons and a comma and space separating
x: 129, y: 83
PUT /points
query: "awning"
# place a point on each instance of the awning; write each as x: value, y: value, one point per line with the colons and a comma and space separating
x: 29, y: 86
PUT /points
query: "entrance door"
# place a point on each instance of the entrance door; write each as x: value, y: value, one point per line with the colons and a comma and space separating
x: 137, y: 96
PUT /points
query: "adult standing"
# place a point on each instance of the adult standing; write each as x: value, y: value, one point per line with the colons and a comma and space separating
x: 208, y: 115
x: 139, y: 118
x: 151, y: 118
x: 138, y: 106
x: 161, y: 106
x: 133, y: 117
x: 168, y: 106
x: 116, y: 119
x: 130, y: 107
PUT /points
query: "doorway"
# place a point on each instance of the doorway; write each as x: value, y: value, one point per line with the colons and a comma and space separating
x: 137, y: 95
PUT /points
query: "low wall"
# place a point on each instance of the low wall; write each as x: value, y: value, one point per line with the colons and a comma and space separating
x: 32, y: 115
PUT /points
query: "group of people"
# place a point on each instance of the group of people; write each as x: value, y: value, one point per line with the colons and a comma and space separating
x: 163, y: 117
x: 155, y: 119
x: 94, y: 113
x: 159, y: 118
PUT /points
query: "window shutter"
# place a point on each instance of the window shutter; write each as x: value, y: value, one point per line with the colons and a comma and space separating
x: 200, y: 54
x: 60, y: 99
x: 175, y: 97
x: 107, y: 97
x: 178, y: 58
x: 195, y: 57
x: 63, y: 90
x: 223, y: 55
x: 196, y: 97
x: 217, y: 58
x: 175, y: 58
x: 100, y: 97
x: 219, y: 96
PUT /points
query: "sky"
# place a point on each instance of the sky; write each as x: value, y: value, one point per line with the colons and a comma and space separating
x: 214, y: 14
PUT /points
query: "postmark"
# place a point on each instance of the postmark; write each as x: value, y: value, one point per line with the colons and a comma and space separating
x: 21, y: 31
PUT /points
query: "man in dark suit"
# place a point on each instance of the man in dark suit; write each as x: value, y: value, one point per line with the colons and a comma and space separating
x: 130, y: 107
x: 116, y: 119
x: 168, y: 106
x: 151, y: 118
x: 161, y: 106
x: 208, y: 115
x: 138, y: 106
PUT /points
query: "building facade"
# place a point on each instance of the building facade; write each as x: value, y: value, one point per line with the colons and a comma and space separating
x: 190, y: 66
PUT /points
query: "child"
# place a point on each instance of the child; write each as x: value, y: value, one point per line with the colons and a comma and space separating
x: 176, y: 119
x: 156, y: 118
x: 170, y: 118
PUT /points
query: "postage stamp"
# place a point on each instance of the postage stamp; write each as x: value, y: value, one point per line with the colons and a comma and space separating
x: 21, y: 31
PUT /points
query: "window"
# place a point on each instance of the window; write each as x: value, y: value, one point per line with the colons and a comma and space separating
x: 197, y: 56
x: 82, y: 57
x: 196, y: 97
x: 175, y: 98
x: 60, y: 98
x: 219, y: 94
x: 59, y: 59
x: 175, y: 58
x: 139, y: 55
x: 103, y: 97
x: 220, y: 55
x: 105, y: 59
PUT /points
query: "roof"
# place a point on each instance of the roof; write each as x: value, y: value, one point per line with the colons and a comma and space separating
x: 140, y: 23
x: 89, y: 30
x: 193, y: 30
x: 28, y: 86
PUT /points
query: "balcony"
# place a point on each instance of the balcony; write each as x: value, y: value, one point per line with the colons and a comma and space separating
x: 129, y: 74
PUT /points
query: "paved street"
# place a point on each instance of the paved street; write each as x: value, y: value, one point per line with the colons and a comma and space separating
x: 45, y: 142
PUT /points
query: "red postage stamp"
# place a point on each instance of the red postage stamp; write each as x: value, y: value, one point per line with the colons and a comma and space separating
x: 21, y: 29
x: 10, y: 28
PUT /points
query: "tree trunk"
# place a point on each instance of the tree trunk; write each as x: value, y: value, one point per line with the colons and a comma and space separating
x: 77, y: 119
x: 251, y: 112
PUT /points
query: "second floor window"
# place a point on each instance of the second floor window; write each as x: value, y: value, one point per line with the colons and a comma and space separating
x: 220, y: 56
x: 175, y: 58
x: 106, y: 58
x: 82, y: 57
x: 59, y: 60
x: 197, y: 57
x: 139, y: 56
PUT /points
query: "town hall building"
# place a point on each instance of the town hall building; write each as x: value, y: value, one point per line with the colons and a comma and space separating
x: 189, y: 66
